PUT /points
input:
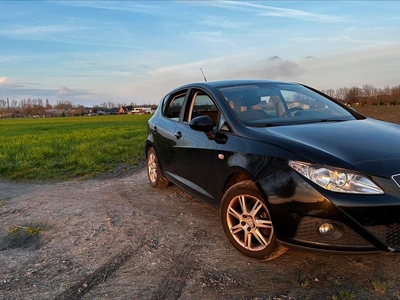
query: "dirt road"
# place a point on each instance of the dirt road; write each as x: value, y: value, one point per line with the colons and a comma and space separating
x: 118, y: 238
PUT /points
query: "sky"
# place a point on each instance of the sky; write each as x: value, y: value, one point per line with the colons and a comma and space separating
x: 95, y: 52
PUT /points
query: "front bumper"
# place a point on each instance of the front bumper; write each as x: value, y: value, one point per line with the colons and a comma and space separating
x: 367, y: 222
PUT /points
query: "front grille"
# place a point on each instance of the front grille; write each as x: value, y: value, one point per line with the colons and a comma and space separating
x: 388, y: 234
x: 396, y: 179
x: 308, y: 231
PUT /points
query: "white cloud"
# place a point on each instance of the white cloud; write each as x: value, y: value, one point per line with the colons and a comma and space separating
x: 377, y: 65
x: 265, y: 10
x: 3, y: 80
x: 217, y: 21
x: 36, y: 30
x: 64, y: 91
x: 372, y: 24
x: 127, y: 6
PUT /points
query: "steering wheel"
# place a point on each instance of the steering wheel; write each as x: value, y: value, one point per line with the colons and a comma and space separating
x: 290, y: 110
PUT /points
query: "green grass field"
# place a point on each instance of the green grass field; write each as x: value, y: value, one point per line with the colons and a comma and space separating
x: 76, y: 147
x: 65, y: 148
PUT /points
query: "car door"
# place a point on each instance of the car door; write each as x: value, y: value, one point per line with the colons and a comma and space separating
x: 194, y: 153
x: 164, y: 129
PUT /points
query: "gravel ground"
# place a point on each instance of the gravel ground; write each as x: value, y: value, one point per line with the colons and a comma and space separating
x: 115, y: 237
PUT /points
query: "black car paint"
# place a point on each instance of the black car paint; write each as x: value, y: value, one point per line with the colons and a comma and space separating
x: 263, y: 154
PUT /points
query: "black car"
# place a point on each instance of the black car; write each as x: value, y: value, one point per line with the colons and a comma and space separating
x: 286, y: 165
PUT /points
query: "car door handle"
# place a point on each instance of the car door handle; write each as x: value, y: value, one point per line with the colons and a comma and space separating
x: 178, y: 135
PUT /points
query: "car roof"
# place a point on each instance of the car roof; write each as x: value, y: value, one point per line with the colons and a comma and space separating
x: 231, y: 82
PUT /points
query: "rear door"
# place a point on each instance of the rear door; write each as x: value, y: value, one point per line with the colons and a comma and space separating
x: 164, y: 129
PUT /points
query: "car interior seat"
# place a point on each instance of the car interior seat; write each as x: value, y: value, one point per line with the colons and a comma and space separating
x: 249, y: 100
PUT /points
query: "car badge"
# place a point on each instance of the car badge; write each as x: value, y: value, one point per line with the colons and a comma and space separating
x: 396, y: 179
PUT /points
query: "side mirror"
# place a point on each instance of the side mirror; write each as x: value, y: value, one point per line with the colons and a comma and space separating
x: 203, y: 124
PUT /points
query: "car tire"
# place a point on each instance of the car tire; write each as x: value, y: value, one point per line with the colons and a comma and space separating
x: 156, y: 179
x: 247, y: 223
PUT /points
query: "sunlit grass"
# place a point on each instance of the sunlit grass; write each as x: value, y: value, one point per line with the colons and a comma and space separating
x: 64, y: 148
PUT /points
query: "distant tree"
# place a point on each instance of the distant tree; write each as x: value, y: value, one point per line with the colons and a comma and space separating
x: 383, y: 96
x: 341, y: 93
x: 65, y: 105
x: 48, y: 105
x: 14, y: 104
x: 111, y: 105
x: 3, y: 107
x: 95, y: 109
x: 395, y: 95
x: 26, y: 106
x: 368, y: 93
x: 330, y: 92
x: 353, y: 95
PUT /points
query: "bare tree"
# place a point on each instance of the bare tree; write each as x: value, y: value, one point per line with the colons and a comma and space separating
x: 341, y: 93
x: 353, y: 96
x: 395, y: 96
x: 48, y: 106
x: 330, y: 92
x: 368, y: 92
x: 3, y: 107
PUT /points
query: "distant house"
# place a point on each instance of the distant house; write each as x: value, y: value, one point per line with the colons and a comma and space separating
x: 141, y: 110
x: 54, y: 112
x: 135, y: 110
x: 125, y: 110
x: 17, y: 113
x: 114, y: 111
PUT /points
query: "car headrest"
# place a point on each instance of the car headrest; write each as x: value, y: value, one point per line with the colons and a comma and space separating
x: 250, y: 98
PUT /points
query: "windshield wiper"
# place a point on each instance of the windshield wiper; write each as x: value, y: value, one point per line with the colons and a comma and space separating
x: 332, y: 120
x: 265, y: 125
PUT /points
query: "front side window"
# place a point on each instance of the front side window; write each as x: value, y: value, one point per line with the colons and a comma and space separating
x: 201, y: 104
x: 271, y: 104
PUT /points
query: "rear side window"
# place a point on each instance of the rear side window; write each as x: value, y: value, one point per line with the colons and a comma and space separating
x: 174, y: 105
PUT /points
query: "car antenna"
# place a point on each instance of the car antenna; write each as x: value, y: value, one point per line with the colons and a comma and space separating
x: 203, y: 75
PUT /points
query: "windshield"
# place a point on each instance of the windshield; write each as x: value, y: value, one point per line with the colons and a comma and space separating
x: 273, y: 104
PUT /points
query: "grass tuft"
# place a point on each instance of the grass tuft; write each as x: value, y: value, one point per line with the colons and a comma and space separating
x: 3, y: 201
x: 301, y: 283
x: 14, y: 230
x: 343, y: 295
x: 379, y: 286
x: 31, y: 230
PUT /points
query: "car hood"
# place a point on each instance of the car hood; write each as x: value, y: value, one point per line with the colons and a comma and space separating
x: 368, y: 145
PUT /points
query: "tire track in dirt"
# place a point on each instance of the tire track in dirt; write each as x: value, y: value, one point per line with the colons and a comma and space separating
x: 165, y: 221
x: 173, y: 284
x: 78, y: 290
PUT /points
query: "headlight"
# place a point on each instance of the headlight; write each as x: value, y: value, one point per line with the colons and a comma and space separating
x: 336, y: 180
